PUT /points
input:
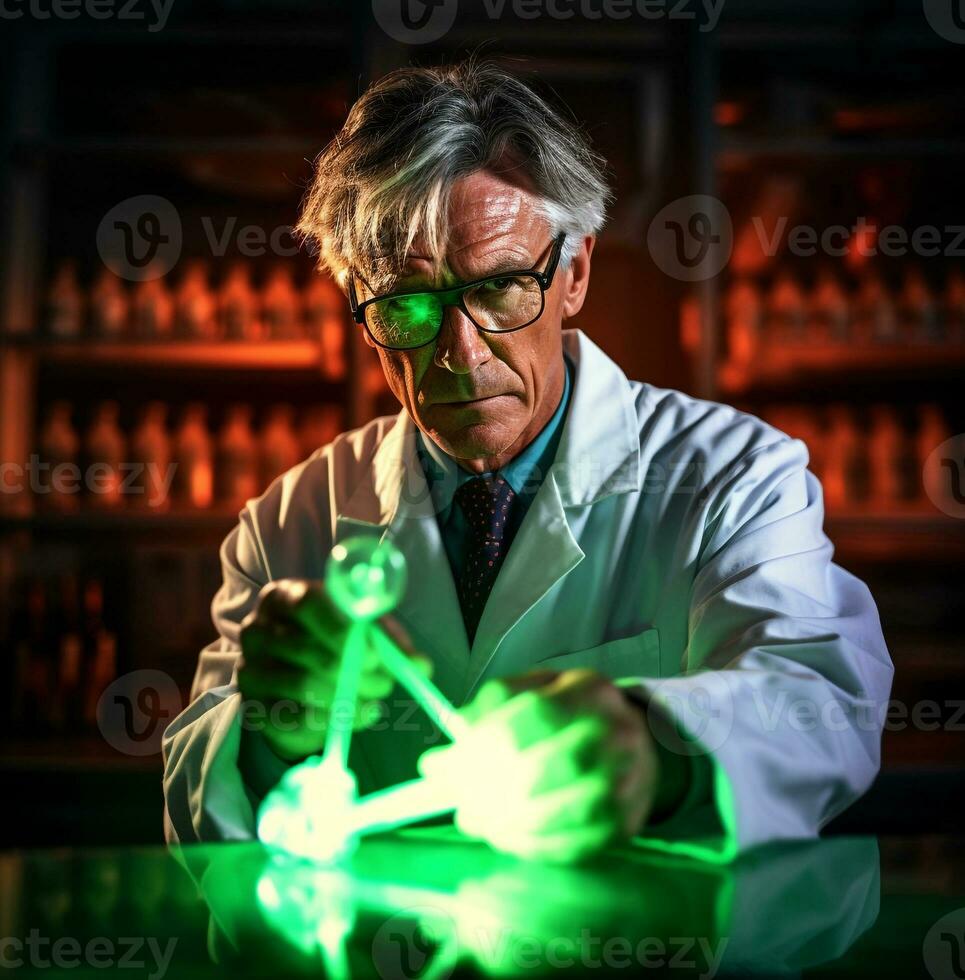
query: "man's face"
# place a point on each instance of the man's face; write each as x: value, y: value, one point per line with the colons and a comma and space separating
x: 484, y: 396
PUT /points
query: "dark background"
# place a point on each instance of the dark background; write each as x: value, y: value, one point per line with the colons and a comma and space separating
x: 819, y: 112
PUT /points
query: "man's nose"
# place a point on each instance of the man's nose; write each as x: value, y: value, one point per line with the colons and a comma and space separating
x: 460, y: 347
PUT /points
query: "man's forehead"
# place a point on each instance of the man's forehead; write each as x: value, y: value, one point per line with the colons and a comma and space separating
x: 491, y: 222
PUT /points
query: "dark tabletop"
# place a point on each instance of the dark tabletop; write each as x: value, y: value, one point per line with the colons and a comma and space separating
x: 427, y: 903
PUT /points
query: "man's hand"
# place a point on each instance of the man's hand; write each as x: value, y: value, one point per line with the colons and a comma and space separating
x: 555, y: 765
x: 291, y: 652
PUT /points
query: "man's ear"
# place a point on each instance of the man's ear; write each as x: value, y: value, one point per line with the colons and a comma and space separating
x: 577, y: 278
x: 365, y: 336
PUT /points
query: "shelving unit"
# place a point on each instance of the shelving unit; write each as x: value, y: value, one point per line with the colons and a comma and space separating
x: 220, y: 141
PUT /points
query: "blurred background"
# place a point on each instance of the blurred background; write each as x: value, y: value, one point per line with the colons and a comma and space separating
x: 155, y: 312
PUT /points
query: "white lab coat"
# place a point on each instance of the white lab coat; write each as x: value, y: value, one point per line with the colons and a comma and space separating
x: 676, y: 545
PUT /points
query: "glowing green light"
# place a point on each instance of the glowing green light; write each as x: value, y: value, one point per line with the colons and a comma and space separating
x: 314, y: 812
x: 366, y: 578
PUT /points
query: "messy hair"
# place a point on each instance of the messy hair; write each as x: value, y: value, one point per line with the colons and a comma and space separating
x: 386, y: 177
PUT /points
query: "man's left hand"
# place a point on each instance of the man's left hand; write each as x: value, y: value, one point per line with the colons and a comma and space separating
x: 554, y: 765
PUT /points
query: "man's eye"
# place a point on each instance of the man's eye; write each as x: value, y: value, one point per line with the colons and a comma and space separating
x: 502, y: 285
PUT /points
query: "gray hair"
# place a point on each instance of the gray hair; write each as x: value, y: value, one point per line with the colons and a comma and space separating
x: 387, y: 175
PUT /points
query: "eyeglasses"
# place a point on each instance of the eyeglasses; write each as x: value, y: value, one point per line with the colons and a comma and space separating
x: 497, y: 304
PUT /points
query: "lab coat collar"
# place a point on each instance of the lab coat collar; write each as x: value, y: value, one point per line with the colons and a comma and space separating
x: 598, y: 456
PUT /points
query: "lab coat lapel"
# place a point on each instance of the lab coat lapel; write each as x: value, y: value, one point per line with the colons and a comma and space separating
x: 598, y: 456
x: 397, y: 505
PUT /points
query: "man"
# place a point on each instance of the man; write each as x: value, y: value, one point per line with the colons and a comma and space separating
x: 629, y: 589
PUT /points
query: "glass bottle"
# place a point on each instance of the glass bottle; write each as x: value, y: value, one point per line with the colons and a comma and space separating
x: 280, y: 304
x: 65, y: 303
x: 109, y: 306
x: 194, y: 303
x: 105, y: 448
x: 59, y: 450
x: 236, y: 465
x: 151, y: 451
x: 280, y: 449
x: 193, y: 456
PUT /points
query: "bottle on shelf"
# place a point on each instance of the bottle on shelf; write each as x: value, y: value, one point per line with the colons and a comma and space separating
x: 280, y: 449
x: 59, y: 451
x: 64, y: 313
x: 151, y: 452
x: 109, y: 306
x: 936, y: 485
x: 787, y: 312
x: 830, y: 310
x: 68, y: 700
x: 280, y: 304
x: 921, y: 320
x: 194, y: 304
x: 954, y: 306
x: 324, y: 319
x: 744, y: 313
x: 887, y: 452
x: 105, y: 448
x: 236, y: 465
x: 34, y: 658
x: 238, y: 305
x: 846, y: 474
x: 876, y: 311
x: 320, y: 425
x: 152, y: 310
x: 193, y: 458
x: 100, y: 650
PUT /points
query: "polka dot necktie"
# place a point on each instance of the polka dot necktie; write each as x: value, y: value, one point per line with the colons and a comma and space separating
x: 487, y: 504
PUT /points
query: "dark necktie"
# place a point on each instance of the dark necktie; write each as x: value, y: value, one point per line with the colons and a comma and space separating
x: 487, y: 504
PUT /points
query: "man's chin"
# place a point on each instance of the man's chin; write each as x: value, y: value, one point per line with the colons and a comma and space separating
x: 483, y: 439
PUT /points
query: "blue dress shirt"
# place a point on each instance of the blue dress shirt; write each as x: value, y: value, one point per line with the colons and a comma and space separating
x: 524, y: 473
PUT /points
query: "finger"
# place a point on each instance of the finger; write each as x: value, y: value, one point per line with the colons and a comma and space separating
x: 305, y: 603
x: 276, y: 680
x: 576, y: 749
x: 291, y: 645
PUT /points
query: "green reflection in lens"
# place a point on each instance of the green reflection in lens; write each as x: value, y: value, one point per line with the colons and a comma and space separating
x: 405, y: 321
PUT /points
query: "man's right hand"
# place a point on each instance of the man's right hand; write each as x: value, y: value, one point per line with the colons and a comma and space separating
x: 292, y: 648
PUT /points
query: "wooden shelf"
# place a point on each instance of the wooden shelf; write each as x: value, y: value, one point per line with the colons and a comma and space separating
x: 69, y: 753
x: 276, y: 355
x: 85, y: 521
x: 781, y: 367
x: 910, y: 536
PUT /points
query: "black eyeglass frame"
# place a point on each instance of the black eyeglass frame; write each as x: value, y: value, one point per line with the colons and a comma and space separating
x: 544, y: 279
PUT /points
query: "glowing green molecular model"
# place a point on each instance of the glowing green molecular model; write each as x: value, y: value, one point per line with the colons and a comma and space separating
x: 314, y: 811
